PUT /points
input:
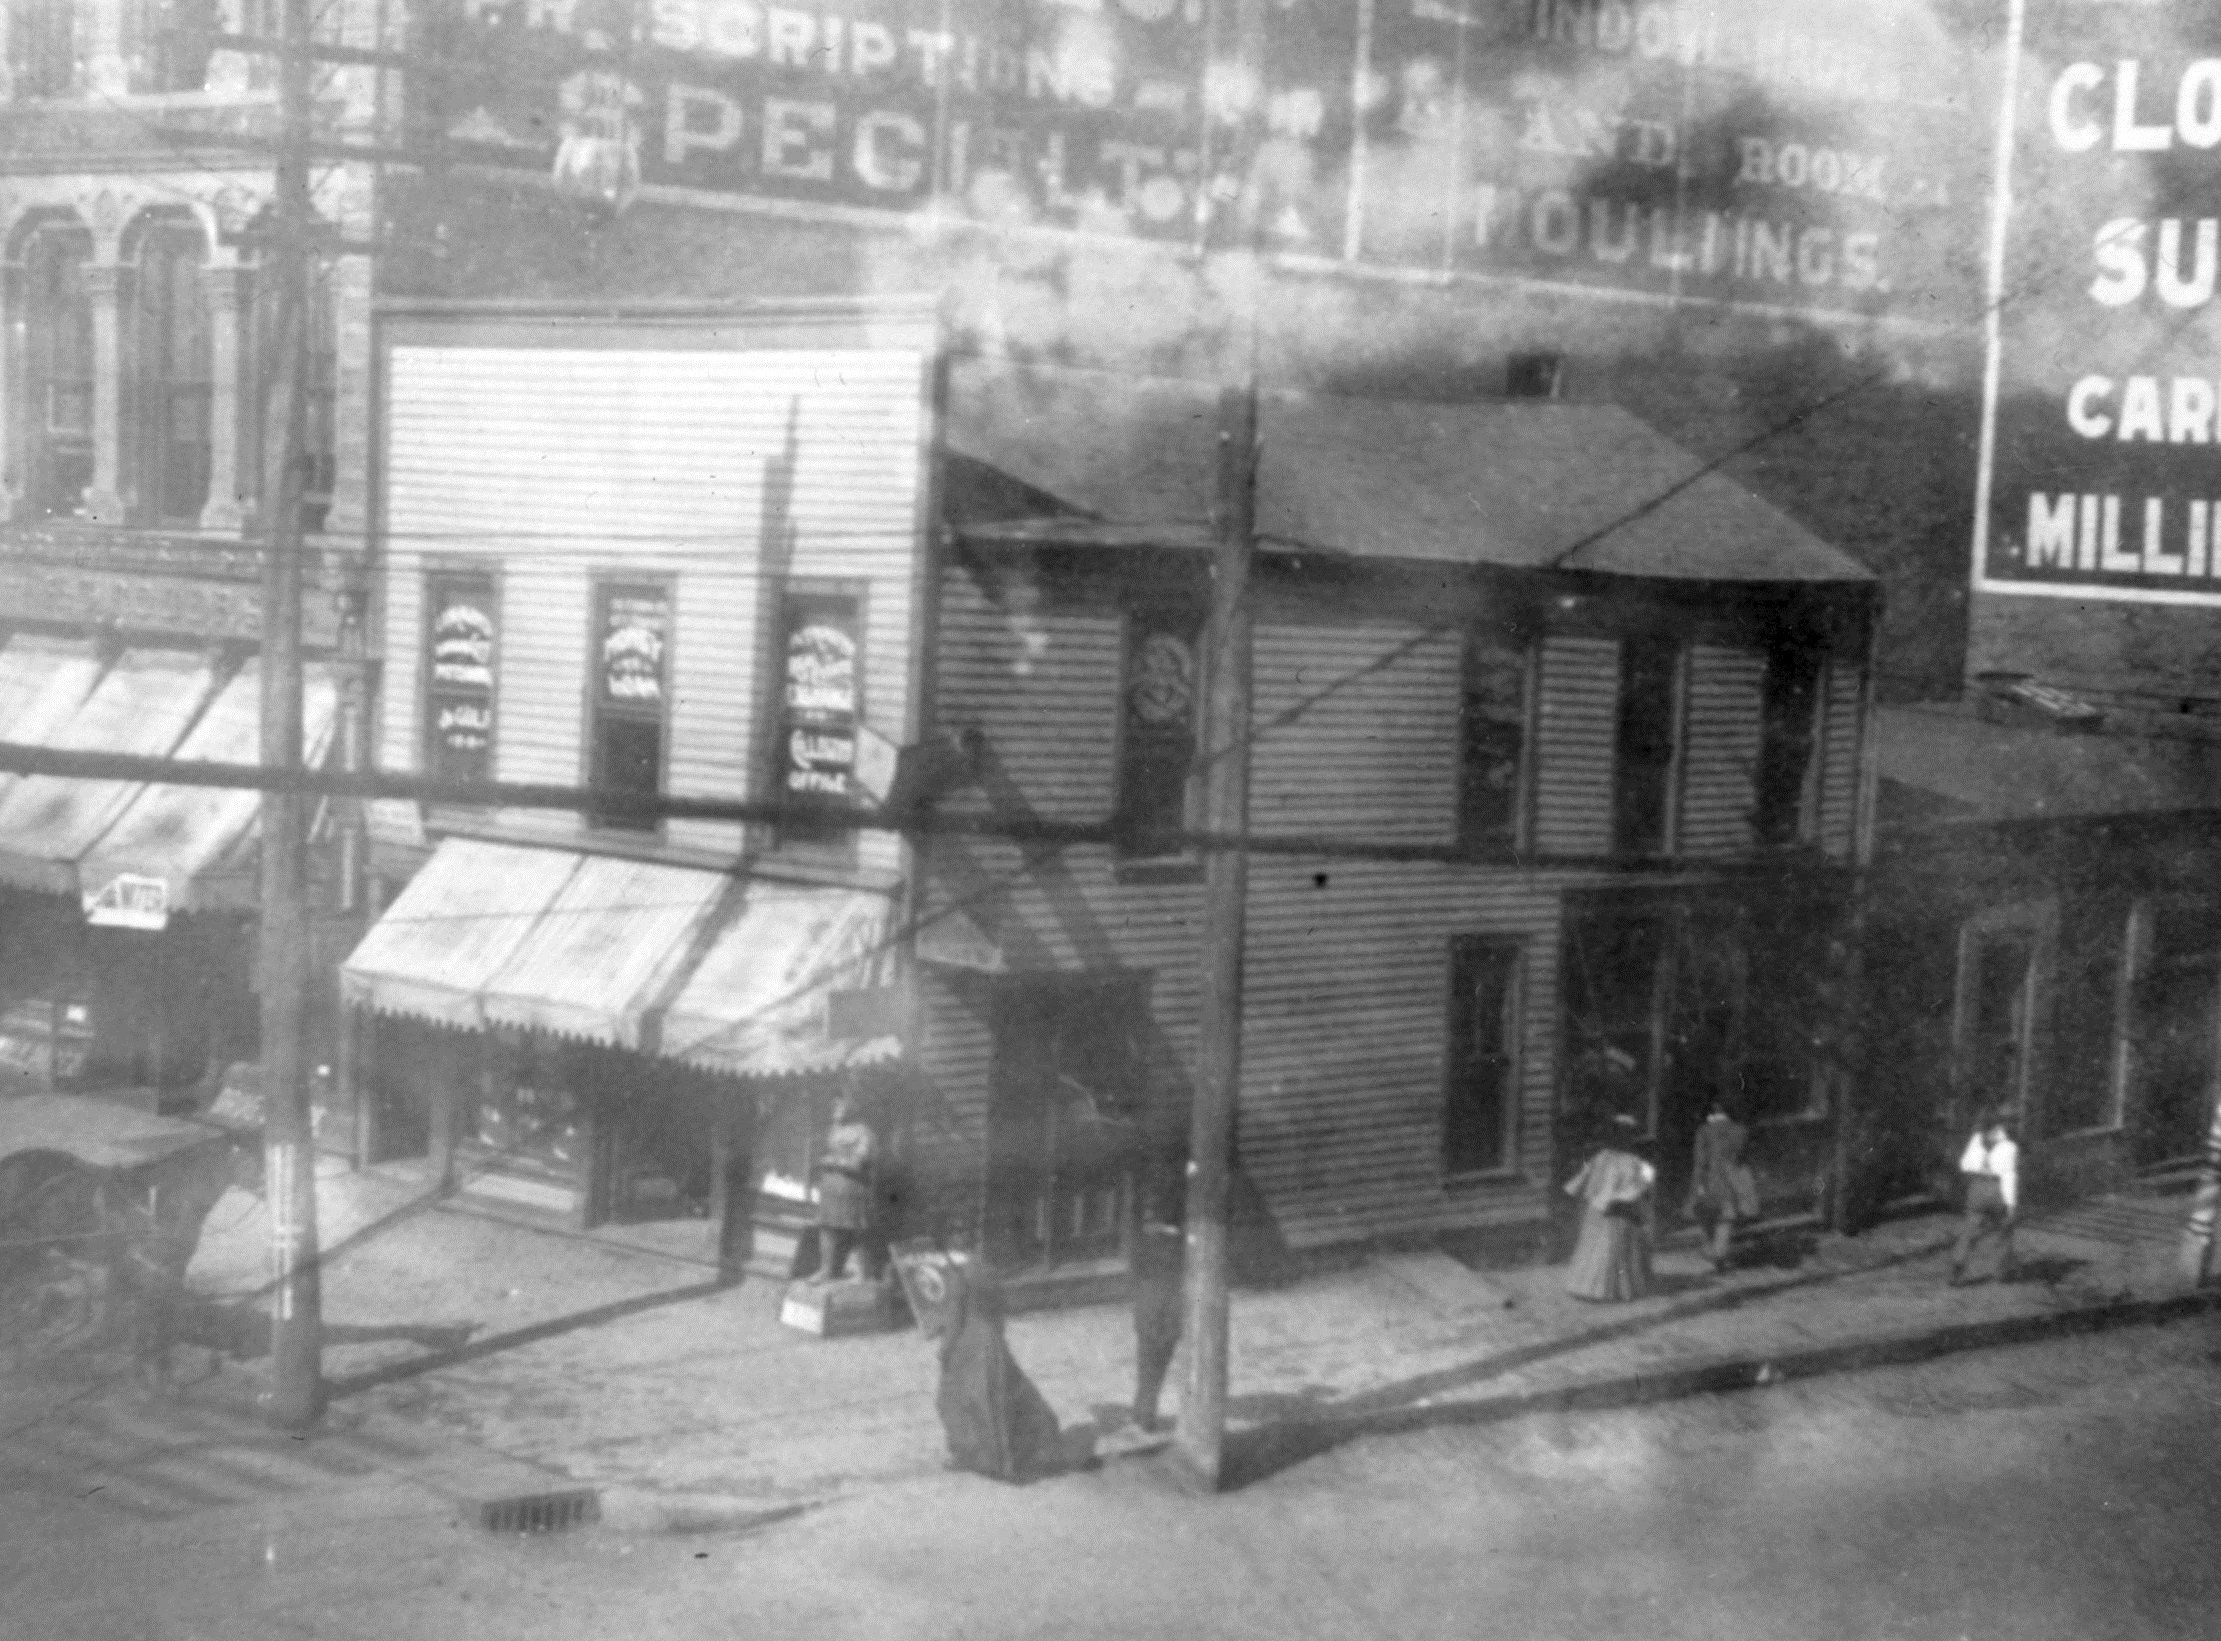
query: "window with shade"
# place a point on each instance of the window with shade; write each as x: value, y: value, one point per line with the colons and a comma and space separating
x: 462, y: 629
x: 55, y: 419
x: 167, y: 45
x: 1786, y: 807
x: 631, y: 693
x: 167, y: 407
x: 1644, y: 747
x: 1159, y: 720
x: 1492, y: 727
x: 820, y: 704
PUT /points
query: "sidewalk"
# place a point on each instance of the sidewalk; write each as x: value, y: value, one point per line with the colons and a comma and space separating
x: 623, y: 1365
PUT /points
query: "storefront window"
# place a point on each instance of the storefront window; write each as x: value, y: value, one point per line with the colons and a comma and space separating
x: 528, y: 1110
x: 459, y: 681
x: 631, y: 697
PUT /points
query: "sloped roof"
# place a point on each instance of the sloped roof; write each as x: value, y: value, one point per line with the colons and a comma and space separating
x: 1521, y: 484
x: 1943, y: 764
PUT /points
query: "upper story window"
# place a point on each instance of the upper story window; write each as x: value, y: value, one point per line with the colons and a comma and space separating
x: 320, y: 389
x: 166, y: 444
x: 166, y: 44
x: 1786, y: 808
x: 821, y: 702
x: 631, y: 694
x: 1645, y: 744
x: 42, y: 47
x: 462, y: 629
x: 55, y: 419
x: 1160, y: 700
x: 1492, y: 731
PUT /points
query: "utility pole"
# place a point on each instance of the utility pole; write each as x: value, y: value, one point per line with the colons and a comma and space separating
x: 1199, y: 1438
x: 296, y: 1318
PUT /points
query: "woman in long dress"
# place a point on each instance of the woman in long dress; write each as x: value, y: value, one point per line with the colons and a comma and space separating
x: 1612, y: 1259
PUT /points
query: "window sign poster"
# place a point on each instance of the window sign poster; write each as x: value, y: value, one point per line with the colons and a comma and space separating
x: 460, y: 696
x: 821, y: 704
x: 2099, y: 476
x: 636, y: 626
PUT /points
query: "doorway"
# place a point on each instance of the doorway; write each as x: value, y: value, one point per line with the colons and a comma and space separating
x: 2003, y: 958
x: 1670, y: 1004
x: 2177, y: 1032
x: 1064, y: 1119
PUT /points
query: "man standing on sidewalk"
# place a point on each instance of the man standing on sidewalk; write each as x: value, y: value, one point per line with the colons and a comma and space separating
x: 1991, y: 1169
x: 1159, y: 1263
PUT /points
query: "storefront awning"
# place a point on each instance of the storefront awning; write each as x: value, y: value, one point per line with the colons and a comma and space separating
x: 43, y: 680
x: 453, y: 928
x: 757, y: 1003
x: 143, y: 704
x: 607, y: 949
x: 182, y: 833
x: 730, y: 974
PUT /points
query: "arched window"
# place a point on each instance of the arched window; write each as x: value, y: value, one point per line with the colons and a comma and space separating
x: 166, y: 443
x: 55, y: 417
x: 166, y: 43
x: 42, y: 47
x: 321, y: 392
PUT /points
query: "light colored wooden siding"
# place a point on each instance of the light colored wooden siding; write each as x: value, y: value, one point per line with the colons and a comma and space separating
x: 1720, y: 750
x: 1577, y: 726
x: 558, y: 463
x: 1042, y: 686
x: 399, y: 744
x: 1839, y: 774
x: 1356, y: 732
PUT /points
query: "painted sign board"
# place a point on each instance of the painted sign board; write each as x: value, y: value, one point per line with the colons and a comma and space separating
x: 130, y: 901
x: 1826, y: 156
x: 2099, y: 475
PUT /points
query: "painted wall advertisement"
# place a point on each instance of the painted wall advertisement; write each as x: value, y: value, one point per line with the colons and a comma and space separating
x: 2099, y: 475
x: 1828, y: 155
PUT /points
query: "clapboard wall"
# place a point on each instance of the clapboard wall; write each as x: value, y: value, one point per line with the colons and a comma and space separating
x: 1346, y: 973
x: 554, y: 455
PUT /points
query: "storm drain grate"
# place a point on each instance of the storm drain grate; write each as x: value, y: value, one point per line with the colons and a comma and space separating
x: 541, y: 1512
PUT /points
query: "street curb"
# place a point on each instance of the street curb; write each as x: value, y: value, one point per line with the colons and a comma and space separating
x: 645, y: 1510
x: 1263, y: 1449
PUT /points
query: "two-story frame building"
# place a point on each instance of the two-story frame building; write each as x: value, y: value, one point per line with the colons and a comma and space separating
x: 1556, y: 796
x: 659, y: 554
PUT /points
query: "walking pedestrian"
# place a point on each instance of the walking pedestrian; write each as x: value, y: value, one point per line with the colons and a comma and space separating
x: 1722, y: 1190
x: 1611, y: 1262
x: 1159, y: 1265
x: 1990, y: 1168
x: 844, y: 1190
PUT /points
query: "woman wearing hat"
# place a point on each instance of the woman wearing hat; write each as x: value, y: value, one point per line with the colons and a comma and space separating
x: 1612, y: 1259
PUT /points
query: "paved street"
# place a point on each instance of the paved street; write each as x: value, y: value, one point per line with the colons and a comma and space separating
x: 2062, y: 1490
